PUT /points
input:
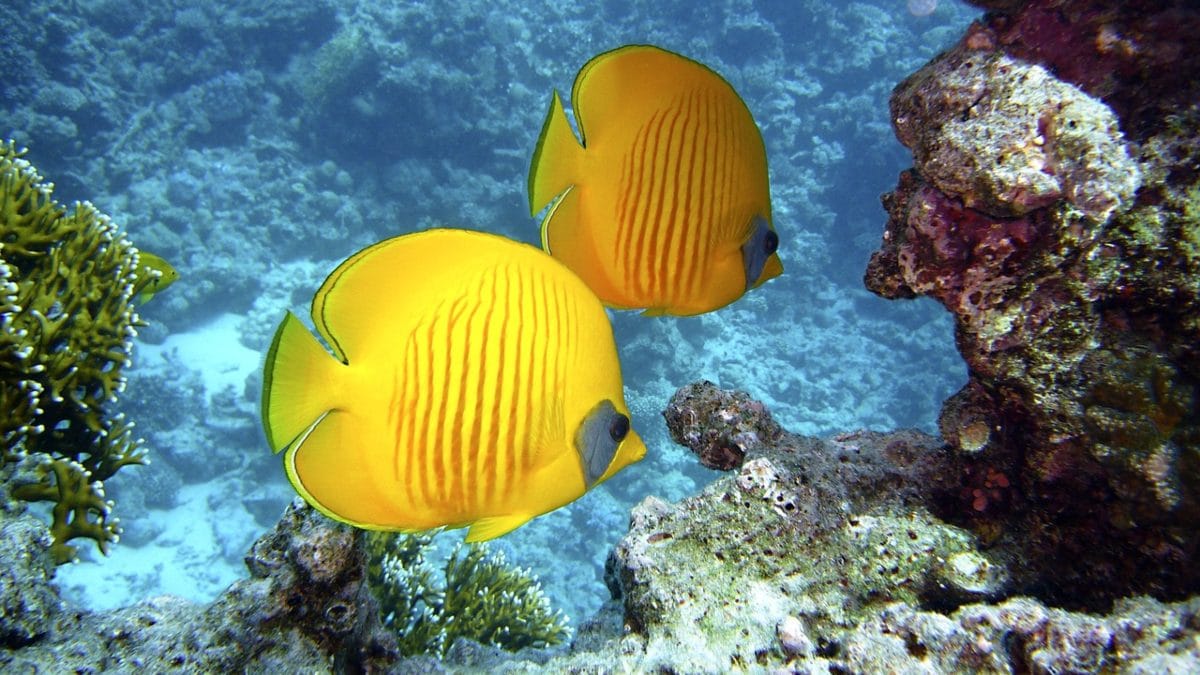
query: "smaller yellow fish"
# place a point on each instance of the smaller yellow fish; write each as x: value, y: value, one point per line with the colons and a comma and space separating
x: 474, y: 382
x: 662, y: 203
x: 154, y: 274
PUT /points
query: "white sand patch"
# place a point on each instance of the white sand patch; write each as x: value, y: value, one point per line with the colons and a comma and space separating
x: 196, y: 556
x: 213, y: 349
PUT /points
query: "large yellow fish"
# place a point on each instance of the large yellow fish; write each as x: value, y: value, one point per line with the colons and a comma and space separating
x: 663, y: 202
x: 474, y: 382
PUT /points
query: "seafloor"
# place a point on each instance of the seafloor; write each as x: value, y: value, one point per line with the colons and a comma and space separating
x: 983, y: 458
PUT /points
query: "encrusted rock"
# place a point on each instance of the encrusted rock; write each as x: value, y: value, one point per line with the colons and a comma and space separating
x: 1052, y: 210
x: 304, y: 609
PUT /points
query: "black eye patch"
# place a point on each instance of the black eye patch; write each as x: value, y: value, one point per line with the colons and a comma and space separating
x: 618, y: 427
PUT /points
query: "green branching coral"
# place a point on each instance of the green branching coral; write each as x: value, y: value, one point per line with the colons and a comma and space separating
x: 67, y: 322
x: 480, y: 597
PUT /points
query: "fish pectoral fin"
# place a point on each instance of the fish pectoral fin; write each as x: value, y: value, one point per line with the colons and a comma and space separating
x: 495, y: 526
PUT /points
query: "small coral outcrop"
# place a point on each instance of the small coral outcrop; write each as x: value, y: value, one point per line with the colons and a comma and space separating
x: 305, y: 608
x: 1052, y: 208
x: 68, y: 278
x: 477, y: 595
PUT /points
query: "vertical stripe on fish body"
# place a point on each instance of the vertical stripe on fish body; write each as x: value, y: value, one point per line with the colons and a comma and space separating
x: 664, y: 202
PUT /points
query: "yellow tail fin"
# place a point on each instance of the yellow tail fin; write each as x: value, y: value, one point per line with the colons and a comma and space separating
x: 553, y: 168
x: 298, y: 383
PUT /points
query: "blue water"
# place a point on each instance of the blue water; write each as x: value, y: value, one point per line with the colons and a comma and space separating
x: 255, y: 145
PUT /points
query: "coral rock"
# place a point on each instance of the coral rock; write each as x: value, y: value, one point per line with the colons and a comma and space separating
x: 306, y: 608
x: 1053, y: 211
x: 1005, y: 137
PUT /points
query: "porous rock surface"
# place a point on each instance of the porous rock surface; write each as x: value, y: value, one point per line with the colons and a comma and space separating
x: 304, y: 608
x: 1052, y: 209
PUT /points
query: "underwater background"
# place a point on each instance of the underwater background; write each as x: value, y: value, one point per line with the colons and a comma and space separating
x: 255, y: 145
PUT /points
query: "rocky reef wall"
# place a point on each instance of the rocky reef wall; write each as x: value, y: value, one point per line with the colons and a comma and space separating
x: 1052, y: 209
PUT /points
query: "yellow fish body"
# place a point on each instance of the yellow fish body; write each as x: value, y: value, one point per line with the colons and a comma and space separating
x: 664, y: 205
x: 154, y: 275
x: 474, y: 382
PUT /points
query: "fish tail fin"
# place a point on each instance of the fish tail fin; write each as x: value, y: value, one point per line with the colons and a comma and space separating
x: 552, y: 170
x: 296, y: 383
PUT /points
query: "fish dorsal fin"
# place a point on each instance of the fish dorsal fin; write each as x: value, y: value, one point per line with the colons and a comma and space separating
x: 630, y: 83
x: 495, y: 526
x: 554, y: 168
x: 361, y: 303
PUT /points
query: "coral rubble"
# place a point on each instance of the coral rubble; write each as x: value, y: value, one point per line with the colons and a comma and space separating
x: 1052, y: 209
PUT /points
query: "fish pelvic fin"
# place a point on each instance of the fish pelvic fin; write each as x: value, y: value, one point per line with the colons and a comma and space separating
x: 298, y: 383
x: 553, y: 169
x: 495, y: 526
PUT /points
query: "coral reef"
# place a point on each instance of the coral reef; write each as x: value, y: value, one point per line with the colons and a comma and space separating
x: 479, y: 597
x: 69, y: 280
x: 874, y: 583
x: 824, y: 556
x: 305, y: 608
x: 1052, y: 210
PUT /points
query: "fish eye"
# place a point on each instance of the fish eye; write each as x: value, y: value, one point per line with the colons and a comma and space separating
x: 770, y: 242
x: 618, y: 427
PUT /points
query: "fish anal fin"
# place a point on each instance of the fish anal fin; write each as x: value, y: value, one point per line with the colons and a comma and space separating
x: 329, y: 467
x: 494, y: 526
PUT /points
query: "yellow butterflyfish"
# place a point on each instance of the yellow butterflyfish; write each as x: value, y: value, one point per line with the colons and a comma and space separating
x: 154, y: 274
x: 473, y: 381
x: 662, y: 203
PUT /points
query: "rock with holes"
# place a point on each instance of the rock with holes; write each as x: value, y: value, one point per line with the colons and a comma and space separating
x: 305, y: 608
